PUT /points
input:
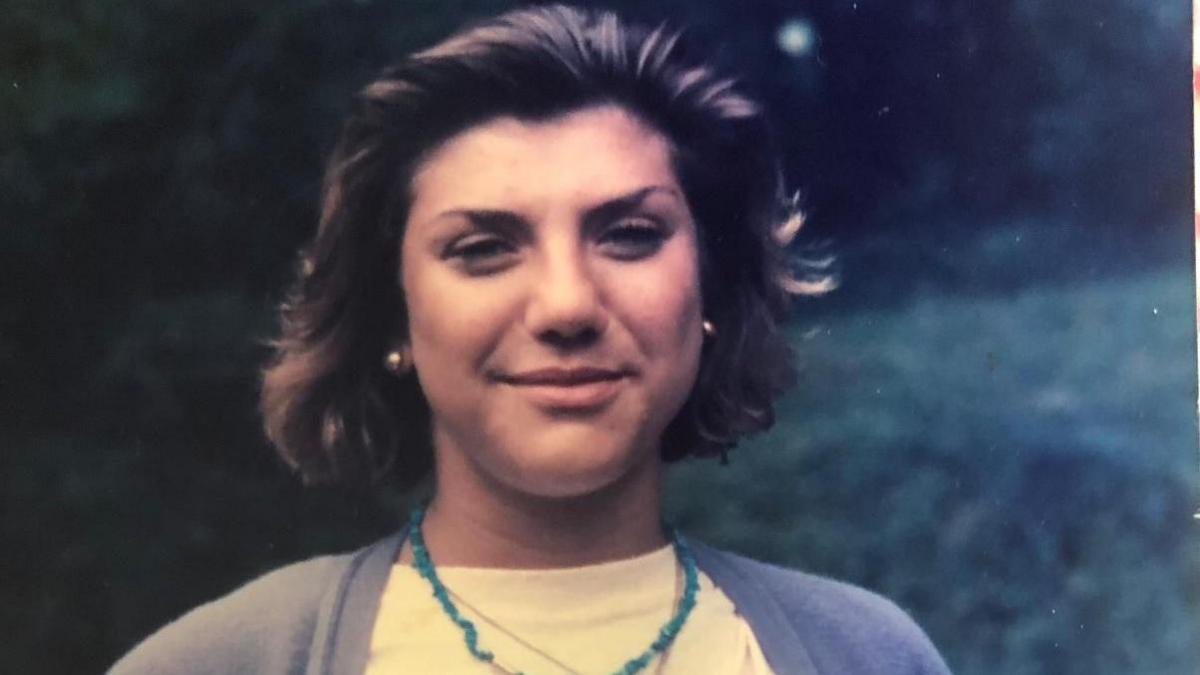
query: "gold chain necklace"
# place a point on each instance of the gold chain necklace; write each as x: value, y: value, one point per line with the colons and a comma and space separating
x: 666, y: 634
x: 505, y: 670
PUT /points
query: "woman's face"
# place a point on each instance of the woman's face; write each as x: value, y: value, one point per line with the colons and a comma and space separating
x: 551, y: 276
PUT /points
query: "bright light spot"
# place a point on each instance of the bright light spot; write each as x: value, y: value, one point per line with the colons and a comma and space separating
x: 796, y: 37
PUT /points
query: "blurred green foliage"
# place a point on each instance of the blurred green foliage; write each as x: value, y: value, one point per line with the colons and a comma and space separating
x: 1018, y: 470
x: 996, y: 421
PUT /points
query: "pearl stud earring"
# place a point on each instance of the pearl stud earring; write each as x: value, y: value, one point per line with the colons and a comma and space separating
x: 398, y: 361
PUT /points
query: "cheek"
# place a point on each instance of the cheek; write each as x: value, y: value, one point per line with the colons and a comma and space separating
x: 665, y: 306
x: 450, y: 324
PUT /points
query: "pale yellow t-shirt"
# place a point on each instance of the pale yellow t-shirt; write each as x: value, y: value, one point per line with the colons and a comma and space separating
x: 588, y: 619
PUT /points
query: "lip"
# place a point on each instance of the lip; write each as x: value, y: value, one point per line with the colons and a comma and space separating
x: 568, y: 388
x: 562, y: 377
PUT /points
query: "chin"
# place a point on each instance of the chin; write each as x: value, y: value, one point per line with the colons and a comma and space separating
x: 562, y: 471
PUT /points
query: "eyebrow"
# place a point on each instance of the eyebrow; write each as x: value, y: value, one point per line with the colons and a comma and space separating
x: 609, y: 209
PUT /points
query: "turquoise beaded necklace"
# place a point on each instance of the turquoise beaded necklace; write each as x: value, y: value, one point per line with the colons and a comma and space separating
x: 666, y: 634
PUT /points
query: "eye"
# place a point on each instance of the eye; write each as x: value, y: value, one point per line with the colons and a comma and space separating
x: 633, y: 238
x: 481, y: 254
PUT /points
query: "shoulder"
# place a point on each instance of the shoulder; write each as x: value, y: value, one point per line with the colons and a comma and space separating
x: 844, y: 628
x: 264, y: 626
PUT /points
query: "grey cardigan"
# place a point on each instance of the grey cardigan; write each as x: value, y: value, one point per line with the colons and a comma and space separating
x: 316, y: 618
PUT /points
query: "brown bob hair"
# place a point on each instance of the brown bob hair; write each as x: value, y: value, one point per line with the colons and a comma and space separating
x: 329, y: 406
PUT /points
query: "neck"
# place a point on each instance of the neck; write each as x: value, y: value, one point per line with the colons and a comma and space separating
x: 496, y: 527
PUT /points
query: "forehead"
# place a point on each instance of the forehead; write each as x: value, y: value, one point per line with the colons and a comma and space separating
x: 586, y: 154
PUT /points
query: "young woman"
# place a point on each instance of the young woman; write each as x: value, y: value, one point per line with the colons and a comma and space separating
x: 550, y: 259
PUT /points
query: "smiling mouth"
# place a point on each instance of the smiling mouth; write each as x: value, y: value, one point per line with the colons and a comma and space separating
x: 568, y: 389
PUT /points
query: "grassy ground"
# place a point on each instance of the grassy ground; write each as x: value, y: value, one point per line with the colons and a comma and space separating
x: 1017, y: 470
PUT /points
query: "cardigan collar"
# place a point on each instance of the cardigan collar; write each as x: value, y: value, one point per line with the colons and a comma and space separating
x: 781, y: 644
x: 342, y: 637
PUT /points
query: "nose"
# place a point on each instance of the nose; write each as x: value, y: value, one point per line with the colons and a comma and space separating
x: 565, y: 307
